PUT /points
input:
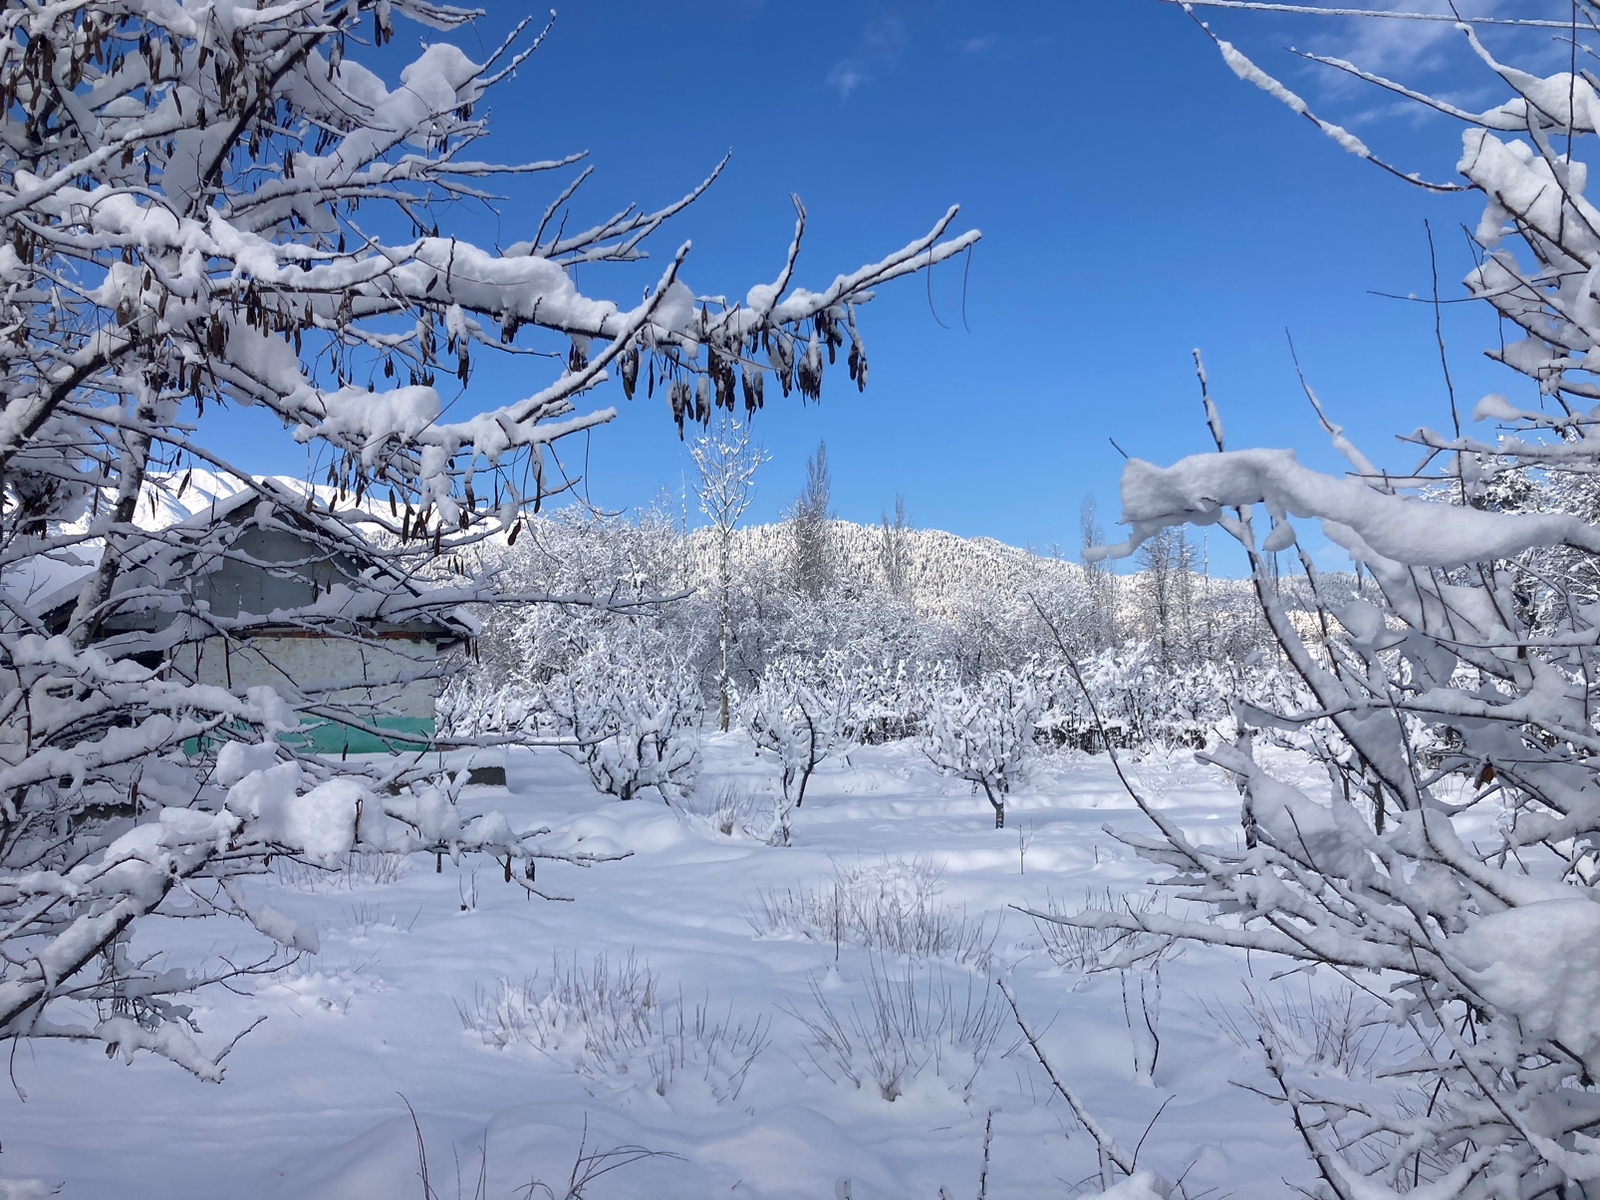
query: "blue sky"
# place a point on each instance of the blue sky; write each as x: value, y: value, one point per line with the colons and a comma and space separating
x: 1136, y: 200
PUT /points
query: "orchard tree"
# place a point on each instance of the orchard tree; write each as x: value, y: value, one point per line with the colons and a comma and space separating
x: 632, y: 724
x: 982, y: 733
x: 218, y: 205
x: 800, y: 715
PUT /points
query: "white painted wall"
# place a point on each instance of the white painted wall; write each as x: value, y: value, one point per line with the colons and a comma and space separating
x: 307, y: 663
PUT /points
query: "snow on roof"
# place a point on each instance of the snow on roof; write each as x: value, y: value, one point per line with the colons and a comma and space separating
x: 195, y: 499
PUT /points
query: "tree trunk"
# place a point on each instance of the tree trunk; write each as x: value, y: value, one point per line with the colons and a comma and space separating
x: 999, y: 807
x: 89, y: 611
x: 723, y: 621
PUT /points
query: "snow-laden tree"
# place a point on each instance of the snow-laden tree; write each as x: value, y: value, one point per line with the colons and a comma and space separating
x: 726, y: 461
x: 1449, y: 868
x: 204, y: 206
x: 811, y: 551
x: 636, y: 562
x: 633, y: 724
x: 982, y: 733
x: 800, y: 715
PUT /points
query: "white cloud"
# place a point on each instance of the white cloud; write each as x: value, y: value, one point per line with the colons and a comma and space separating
x: 878, y: 45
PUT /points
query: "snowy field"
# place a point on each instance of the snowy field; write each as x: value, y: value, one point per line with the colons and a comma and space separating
x: 314, y: 1106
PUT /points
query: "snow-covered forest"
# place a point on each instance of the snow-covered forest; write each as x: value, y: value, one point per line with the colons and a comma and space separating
x: 418, y: 827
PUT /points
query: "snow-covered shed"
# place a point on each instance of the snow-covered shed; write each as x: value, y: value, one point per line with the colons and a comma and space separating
x: 256, y: 587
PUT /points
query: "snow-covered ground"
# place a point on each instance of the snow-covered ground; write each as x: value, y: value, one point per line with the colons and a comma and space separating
x: 314, y: 1106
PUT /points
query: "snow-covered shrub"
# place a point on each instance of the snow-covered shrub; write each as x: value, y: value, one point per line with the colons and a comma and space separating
x: 893, y: 907
x: 358, y: 869
x: 913, y: 1019
x: 982, y: 733
x: 632, y: 727
x: 731, y: 808
x: 1089, y: 948
x: 799, y: 719
x: 611, y: 1022
x: 1447, y: 867
x: 1136, y: 702
x: 1340, y: 1032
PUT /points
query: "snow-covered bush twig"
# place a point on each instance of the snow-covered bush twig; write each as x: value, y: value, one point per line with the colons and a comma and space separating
x: 731, y: 808
x: 1113, y: 1158
x: 913, y: 1020
x: 359, y: 868
x: 893, y: 907
x: 610, y: 1022
x: 1092, y: 948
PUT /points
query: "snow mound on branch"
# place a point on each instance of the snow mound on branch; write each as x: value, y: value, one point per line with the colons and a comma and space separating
x: 320, y: 824
x: 238, y: 759
x: 1538, y: 962
x: 1407, y: 529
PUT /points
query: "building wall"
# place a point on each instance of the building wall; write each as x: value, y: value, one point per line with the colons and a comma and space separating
x: 308, y: 664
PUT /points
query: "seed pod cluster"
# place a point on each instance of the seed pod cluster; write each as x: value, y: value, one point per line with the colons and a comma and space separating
x: 752, y: 381
x: 808, y: 372
x: 780, y: 353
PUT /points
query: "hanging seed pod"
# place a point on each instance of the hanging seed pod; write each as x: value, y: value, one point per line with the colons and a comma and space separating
x: 702, y: 400
x: 516, y: 531
x: 752, y: 388
x: 679, y: 394
x: 630, y: 370
x: 405, y: 527
x: 578, y: 355
x: 394, y: 510
x: 438, y: 535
